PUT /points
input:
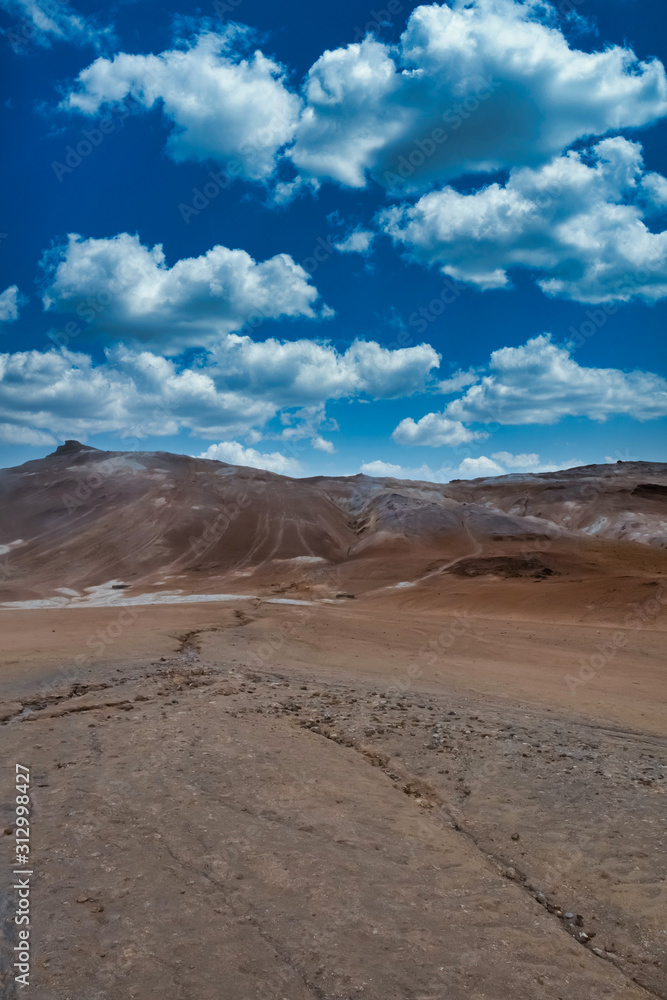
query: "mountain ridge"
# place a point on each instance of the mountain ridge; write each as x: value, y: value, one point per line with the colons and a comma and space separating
x: 81, y: 518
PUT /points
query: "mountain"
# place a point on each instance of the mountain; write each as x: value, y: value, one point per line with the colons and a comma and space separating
x: 84, y: 524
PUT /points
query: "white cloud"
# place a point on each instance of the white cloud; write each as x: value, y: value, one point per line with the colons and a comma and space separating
x: 322, y: 444
x: 379, y: 468
x: 577, y: 222
x: 10, y: 302
x: 135, y: 395
x: 304, y: 422
x: 15, y: 434
x: 44, y: 21
x: 523, y: 461
x: 346, y: 122
x: 539, y: 383
x: 388, y: 470
x: 502, y: 463
x: 476, y: 468
x: 472, y: 86
x: 306, y: 372
x: 235, y: 454
x: 126, y: 290
x: 459, y: 380
x: 358, y: 241
x: 469, y: 468
x: 234, y: 391
x: 236, y: 111
x: 434, y: 430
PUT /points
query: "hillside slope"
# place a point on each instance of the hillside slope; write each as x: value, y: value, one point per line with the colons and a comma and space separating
x: 83, y: 523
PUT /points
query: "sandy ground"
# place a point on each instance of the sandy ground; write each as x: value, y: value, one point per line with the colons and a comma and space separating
x: 345, y: 800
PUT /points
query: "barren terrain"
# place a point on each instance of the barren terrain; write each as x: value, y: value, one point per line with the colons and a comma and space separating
x: 453, y: 788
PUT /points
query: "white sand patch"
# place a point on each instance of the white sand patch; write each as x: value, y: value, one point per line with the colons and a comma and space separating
x: 4, y: 549
x: 118, y: 600
x: 302, y: 559
x: 160, y: 502
x: 597, y: 526
x: 113, y: 595
x: 285, y: 600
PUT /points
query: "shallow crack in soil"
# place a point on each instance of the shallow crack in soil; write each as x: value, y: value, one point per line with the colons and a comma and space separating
x: 416, y: 787
x: 167, y: 672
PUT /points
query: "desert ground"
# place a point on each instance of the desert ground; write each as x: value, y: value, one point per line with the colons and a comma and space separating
x: 432, y: 768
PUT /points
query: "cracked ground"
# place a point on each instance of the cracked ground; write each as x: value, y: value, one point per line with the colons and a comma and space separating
x: 264, y: 802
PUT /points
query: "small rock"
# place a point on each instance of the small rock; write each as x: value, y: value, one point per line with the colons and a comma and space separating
x: 83, y: 899
x: 579, y: 920
x: 515, y: 836
x: 583, y: 937
x: 569, y: 916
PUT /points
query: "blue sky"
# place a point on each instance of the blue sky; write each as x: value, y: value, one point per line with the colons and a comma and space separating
x: 425, y: 241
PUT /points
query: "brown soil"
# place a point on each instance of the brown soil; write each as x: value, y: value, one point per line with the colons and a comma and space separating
x: 336, y: 801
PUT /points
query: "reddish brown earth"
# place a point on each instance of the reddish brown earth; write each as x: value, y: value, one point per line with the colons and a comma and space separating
x: 83, y: 518
x: 454, y: 789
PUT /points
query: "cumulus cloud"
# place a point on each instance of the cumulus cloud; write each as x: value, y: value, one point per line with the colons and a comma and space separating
x: 523, y: 461
x: 348, y: 119
x: 125, y: 289
x: 459, y: 380
x: 235, y: 454
x: 578, y: 222
x: 15, y: 434
x: 472, y: 86
x: 231, y: 393
x: 10, y: 302
x: 389, y: 470
x: 503, y: 462
x: 67, y: 394
x: 540, y: 383
x: 224, y: 107
x: 45, y: 21
x: 322, y: 444
x: 358, y: 241
x: 306, y: 372
x: 435, y: 430
x: 469, y: 468
x: 537, y: 383
x: 476, y: 468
